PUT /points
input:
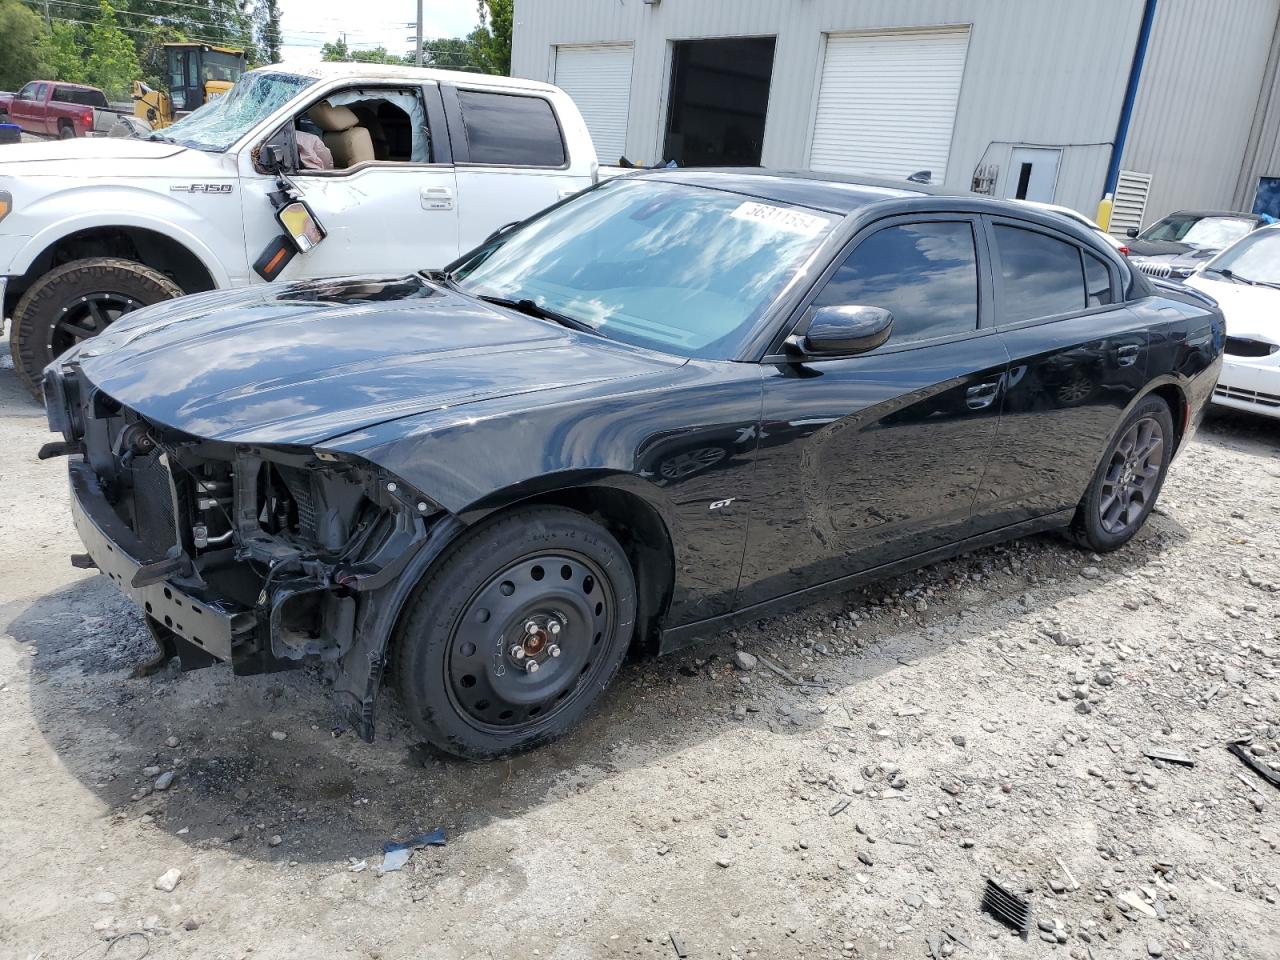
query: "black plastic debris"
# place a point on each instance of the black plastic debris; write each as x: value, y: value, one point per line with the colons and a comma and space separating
x: 1261, y: 769
x: 1010, y: 910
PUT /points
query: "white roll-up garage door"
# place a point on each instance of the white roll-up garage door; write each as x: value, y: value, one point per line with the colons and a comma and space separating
x: 887, y: 102
x: 598, y: 78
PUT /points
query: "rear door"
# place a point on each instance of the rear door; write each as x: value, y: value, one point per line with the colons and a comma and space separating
x: 511, y: 156
x: 1078, y: 356
x: 877, y: 457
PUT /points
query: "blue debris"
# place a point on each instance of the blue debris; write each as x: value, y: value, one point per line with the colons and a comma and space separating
x: 396, y: 855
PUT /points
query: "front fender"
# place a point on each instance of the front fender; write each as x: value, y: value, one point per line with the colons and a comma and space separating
x: 64, y: 212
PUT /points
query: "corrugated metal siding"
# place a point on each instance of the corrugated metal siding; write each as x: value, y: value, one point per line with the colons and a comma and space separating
x: 599, y: 80
x: 1197, y: 100
x: 1039, y: 72
x: 1263, y: 153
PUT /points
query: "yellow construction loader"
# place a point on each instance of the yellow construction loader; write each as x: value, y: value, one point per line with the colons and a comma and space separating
x: 196, y: 73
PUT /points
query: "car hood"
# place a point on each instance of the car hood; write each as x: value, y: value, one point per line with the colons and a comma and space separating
x: 62, y: 157
x: 1251, y: 312
x: 1156, y: 248
x: 1186, y: 258
x: 307, y: 362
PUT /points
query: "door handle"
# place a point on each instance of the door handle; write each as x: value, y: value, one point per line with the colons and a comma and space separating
x: 1127, y: 355
x: 982, y: 395
x: 437, y: 198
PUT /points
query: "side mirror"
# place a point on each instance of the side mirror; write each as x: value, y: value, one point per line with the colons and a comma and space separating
x: 300, y: 225
x: 843, y: 331
x: 1132, y: 233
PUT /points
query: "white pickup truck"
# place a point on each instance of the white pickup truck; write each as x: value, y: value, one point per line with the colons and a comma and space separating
x: 298, y: 172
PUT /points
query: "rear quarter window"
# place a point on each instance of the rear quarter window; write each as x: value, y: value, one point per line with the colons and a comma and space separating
x: 1040, y: 275
x: 511, y: 130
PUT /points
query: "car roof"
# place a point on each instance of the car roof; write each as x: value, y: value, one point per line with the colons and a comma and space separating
x: 831, y: 192
x: 1237, y: 214
x: 391, y: 71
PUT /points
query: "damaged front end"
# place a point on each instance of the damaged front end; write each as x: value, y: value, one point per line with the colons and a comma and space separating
x: 259, y: 556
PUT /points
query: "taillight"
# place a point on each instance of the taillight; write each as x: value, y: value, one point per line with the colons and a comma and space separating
x: 87, y: 118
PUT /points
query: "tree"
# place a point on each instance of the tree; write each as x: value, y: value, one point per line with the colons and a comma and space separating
x: 450, y: 53
x: 492, y: 39
x: 113, y: 60
x: 65, y: 52
x: 338, y: 50
x: 267, y: 15
x: 21, y: 45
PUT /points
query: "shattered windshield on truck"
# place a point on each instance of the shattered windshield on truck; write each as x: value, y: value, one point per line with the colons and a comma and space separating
x: 224, y: 120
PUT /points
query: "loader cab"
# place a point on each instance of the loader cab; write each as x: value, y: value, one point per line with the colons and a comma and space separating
x: 198, y: 72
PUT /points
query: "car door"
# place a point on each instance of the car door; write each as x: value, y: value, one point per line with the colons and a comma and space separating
x: 511, y: 157
x: 878, y: 457
x: 392, y: 214
x: 1078, y: 356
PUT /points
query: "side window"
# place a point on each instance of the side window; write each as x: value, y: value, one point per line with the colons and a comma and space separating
x: 364, y: 125
x: 1097, y: 280
x: 1042, y: 277
x: 63, y: 95
x: 926, y: 274
x: 28, y: 92
x: 511, y: 130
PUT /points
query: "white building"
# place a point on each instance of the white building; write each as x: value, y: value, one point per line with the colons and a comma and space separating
x: 1006, y: 97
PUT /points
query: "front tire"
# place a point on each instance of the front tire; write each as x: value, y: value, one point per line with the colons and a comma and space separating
x: 74, y: 302
x: 539, y: 585
x: 1128, y: 480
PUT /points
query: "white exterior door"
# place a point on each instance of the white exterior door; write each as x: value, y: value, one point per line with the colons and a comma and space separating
x: 887, y: 103
x: 598, y: 78
x: 1033, y: 174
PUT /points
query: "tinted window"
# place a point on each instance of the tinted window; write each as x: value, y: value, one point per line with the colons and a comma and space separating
x: 926, y: 274
x: 1042, y: 276
x: 88, y: 98
x: 27, y: 93
x: 511, y: 130
x: 1097, y: 280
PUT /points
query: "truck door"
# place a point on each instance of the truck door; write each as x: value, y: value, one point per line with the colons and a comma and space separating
x: 27, y: 108
x: 388, y: 199
x: 511, y: 157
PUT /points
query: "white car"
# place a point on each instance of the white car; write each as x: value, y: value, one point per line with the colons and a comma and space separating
x: 1245, y: 280
x: 1079, y: 218
x: 387, y: 170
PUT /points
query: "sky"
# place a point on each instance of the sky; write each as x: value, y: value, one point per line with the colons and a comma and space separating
x: 307, y: 24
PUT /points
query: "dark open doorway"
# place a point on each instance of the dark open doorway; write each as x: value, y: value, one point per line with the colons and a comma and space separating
x: 719, y: 98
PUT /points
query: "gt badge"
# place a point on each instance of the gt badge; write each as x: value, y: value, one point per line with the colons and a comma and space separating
x: 722, y: 503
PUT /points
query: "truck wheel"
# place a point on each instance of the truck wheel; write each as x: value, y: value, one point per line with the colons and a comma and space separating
x: 74, y: 302
x: 66, y: 131
x: 508, y: 642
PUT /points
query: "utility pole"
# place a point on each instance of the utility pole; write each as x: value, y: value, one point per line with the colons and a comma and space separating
x: 417, y: 48
x: 48, y: 20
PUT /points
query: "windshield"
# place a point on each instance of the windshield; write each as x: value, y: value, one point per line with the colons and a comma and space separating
x: 1255, y: 258
x: 1213, y: 233
x: 686, y: 270
x: 224, y: 120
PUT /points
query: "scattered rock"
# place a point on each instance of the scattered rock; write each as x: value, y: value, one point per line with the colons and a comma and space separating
x: 279, y: 735
x: 744, y: 661
x: 165, y: 780
x: 168, y: 880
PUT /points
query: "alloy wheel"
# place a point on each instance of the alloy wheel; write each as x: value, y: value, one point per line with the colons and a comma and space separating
x: 530, y: 638
x: 1132, y: 475
x: 88, y: 316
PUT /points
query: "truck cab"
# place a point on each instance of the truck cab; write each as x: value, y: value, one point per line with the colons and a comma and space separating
x: 403, y: 169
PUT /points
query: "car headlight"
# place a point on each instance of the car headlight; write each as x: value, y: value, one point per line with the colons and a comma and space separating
x: 6, y: 203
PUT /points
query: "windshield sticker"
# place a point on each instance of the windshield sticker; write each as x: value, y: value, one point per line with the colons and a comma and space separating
x: 784, y: 218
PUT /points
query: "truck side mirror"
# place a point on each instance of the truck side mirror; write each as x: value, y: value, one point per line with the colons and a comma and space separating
x: 272, y: 157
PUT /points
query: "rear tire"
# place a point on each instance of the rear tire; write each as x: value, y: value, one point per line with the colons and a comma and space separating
x: 539, y: 584
x: 66, y: 131
x: 1128, y: 479
x: 74, y: 302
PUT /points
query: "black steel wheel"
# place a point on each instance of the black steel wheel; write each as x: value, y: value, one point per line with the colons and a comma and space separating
x: 1128, y: 479
x: 515, y: 634
x: 75, y: 301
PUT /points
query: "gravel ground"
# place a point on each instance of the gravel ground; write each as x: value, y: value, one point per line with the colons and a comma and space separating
x: 986, y: 717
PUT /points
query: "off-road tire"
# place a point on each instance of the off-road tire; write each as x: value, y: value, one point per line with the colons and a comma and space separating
x: 429, y: 648
x: 37, y: 314
x: 1087, y: 528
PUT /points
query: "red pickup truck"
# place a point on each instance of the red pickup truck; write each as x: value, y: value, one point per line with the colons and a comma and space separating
x: 63, y: 110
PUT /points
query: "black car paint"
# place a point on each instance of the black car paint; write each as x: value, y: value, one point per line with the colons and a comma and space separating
x: 771, y: 478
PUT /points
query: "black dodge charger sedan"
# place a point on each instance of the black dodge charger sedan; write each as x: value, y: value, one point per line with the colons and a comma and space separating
x: 676, y: 399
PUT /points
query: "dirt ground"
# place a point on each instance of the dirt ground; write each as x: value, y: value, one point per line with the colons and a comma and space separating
x: 985, y: 717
